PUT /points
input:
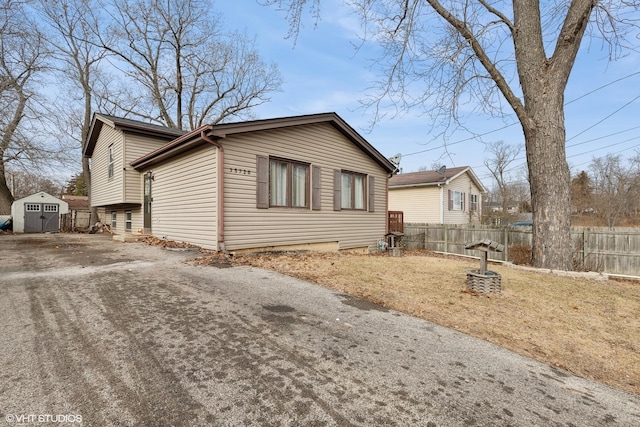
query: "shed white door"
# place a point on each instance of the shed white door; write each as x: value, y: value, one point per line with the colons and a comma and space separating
x: 41, y: 217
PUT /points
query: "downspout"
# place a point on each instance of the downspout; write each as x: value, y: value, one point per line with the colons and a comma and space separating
x: 220, y: 190
x: 386, y: 228
x: 441, y: 203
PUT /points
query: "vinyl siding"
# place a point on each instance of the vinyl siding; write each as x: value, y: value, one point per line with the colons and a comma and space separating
x: 136, y: 219
x: 419, y: 204
x: 422, y: 204
x: 184, y: 198
x: 136, y: 146
x: 465, y: 185
x: 320, y: 145
x: 105, y: 190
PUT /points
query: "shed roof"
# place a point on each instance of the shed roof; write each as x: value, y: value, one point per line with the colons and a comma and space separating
x: 219, y: 131
x: 40, y: 196
x: 428, y: 178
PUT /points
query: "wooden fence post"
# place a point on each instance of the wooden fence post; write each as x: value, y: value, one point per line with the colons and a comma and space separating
x: 506, y: 244
x: 446, y: 239
x: 585, y: 239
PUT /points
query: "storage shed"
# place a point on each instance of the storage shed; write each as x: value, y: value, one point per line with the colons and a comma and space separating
x: 38, y: 213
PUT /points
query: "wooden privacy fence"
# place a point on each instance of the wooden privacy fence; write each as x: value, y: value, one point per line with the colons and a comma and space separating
x: 612, y: 251
x: 75, y: 220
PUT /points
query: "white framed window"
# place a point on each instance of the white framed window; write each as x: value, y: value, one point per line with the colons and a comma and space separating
x: 127, y: 220
x: 111, y: 161
x: 473, y: 202
x: 114, y: 218
x: 288, y: 183
x: 51, y: 208
x: 353, y: 190
x: 456, y: 200
x: 32, y: 207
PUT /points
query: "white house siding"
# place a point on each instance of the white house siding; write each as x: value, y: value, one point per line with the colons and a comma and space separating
x: 465, y: 185
x: 184, y: 198
x: 105, y: 190
x: 136, y: 146
x: 321, y: 145
x: 419, y: 204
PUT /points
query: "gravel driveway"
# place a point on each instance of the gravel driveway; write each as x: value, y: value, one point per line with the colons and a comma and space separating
x: 128, y: 334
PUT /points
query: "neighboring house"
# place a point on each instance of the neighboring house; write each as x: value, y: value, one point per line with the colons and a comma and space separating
x: 450, y: 196
x: 304, y: 182
x: 38, y: 213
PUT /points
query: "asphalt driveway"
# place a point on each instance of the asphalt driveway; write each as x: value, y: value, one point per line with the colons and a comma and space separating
x: 127, y: 334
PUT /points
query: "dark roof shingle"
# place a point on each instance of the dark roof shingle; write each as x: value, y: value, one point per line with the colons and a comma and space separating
x: 424, y: 178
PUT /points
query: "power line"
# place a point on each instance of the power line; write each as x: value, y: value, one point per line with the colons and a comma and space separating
x: 460, y: 141
x: 602, y: 87
x: 605, y: 118
x: 567, y: 103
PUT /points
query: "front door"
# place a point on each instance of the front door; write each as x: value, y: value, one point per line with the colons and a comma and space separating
x: 147, y: 202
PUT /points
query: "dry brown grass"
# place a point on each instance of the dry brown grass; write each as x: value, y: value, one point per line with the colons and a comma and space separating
x: 591, y: 328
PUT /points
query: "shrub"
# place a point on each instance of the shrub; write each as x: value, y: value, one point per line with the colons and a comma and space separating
x: 520, y: 254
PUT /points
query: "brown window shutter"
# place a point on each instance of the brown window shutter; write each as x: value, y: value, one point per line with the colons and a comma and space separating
x: 372, y: 193
x: 337, y: 190
x: 464, y: 201
x: 450, y: 200
x: 316, y: 202
x: 262, y: 182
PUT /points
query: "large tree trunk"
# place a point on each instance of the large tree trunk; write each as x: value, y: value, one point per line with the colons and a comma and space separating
x: 6, y: 198
x: 549, y: 178
x: 543, y: 81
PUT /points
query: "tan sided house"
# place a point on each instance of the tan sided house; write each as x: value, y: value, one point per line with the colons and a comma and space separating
x: 304, y: 182
x: 445, y: 196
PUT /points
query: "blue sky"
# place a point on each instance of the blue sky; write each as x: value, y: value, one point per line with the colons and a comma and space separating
x: 323, y: 72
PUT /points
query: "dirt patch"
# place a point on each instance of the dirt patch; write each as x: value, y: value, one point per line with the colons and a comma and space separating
x: 588, y: 327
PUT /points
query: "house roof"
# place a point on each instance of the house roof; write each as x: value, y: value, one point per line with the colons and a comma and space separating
x: 76, y: 202
x: 428, y: 178
x: 128, y: 125
x: 220, y: 131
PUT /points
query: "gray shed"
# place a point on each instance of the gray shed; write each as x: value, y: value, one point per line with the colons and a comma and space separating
x: 38, y: 213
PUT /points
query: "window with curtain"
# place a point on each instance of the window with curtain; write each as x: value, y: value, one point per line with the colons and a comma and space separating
x: 353, y: 190
x: 457, y: 200
x: 288, y: 184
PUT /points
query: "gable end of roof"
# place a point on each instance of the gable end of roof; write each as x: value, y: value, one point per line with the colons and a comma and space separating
x: 126, y: 125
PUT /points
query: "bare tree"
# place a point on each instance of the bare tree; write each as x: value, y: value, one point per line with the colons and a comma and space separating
x: 501, y: 157
x: 72, y: 36
x: 22, y: 57
x: 504, y: 55
x: 613, y: 188
x: 634, y: 168
x: 189, y: 71
x: 27, y: 183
